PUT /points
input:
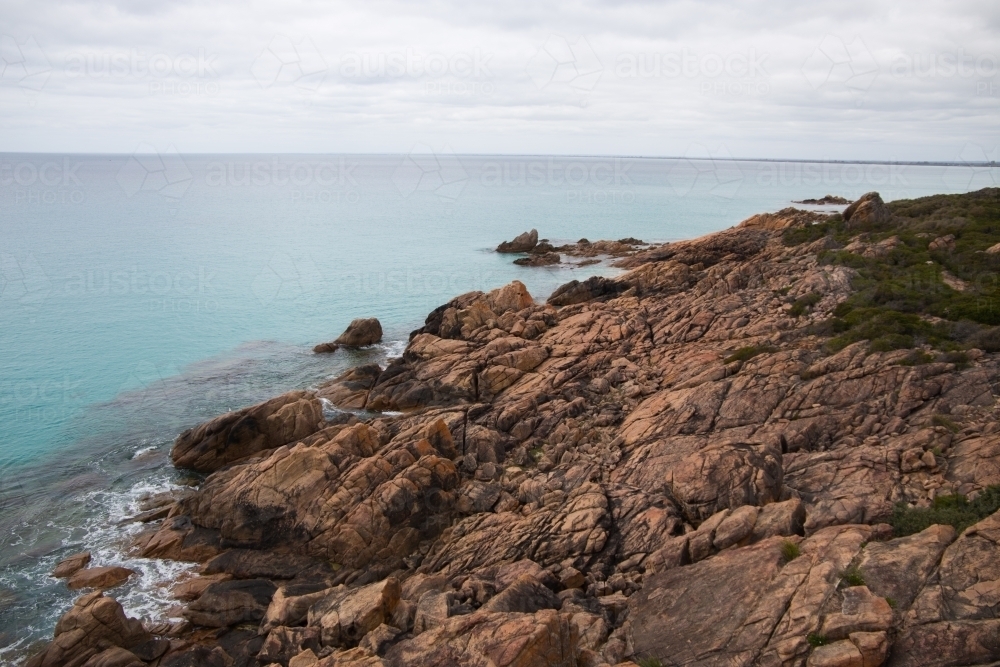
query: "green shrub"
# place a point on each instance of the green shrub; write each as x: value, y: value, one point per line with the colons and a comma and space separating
x: 790, y: 551
x: 852, y: 576
x: 953, y: 510
x: 916, y: 358
x: 941, y: 420
x: 650, y: 662
x: 891, y: 602
x: 804, y: 303
x: 909, y: 278
x: 816, y: 640
x: 748, y: 352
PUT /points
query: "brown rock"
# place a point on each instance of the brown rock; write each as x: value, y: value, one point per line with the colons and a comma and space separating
x: 326, y: 348
x: 71, y: 564
x: 349, y: 391
x: 869, y: 209
x: 345, y: 615
x: 838, y: 654
x: 91, y: 626
x: 283, y: 643
x: 99, y: 577
x: 361, y: 332
x: 540, y: 259
x: 114, y: 657
x: 232, y: 602
x: 522, y: 243
x: 242, y: 433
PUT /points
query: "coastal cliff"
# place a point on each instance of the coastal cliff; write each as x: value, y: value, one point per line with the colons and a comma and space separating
x: 773, y: 445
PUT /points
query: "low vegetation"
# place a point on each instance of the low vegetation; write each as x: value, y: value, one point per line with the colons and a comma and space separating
x: 816, y: 640
x: 902, y: 298
x: 650, y: 662
x: 790, y: 551
x: 749, y: 352
x: 852, y: 576
x: 953, y: 510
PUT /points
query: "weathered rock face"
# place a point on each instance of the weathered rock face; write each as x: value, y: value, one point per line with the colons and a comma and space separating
x: 99, y: 577
x: 868, y: 209
x: 242, y: 433
x: 522, y: 243
x: 360, y: 332
x: 93, y: 625
x: 666, y: 465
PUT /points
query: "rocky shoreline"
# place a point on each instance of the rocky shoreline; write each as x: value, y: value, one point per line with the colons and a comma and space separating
x: 683, y: 465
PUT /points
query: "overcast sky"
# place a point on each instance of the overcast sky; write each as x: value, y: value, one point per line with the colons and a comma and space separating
x: 853, y: 80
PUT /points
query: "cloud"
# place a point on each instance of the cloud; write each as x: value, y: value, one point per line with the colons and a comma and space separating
x: 778, y: 79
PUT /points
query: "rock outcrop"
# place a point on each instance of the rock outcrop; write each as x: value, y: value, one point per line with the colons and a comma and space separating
x: 361, y: 332
x: 671, y: 465
x: 525, y: 242
x: 868, y: 209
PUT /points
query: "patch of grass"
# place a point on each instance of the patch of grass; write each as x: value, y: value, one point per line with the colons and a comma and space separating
x: 891, y: 602
x: 816, y: 640
x: 916, y: 358
x: 790, y: 551
x: 941, y: 420
x: 749, y: 352
x: 907, y: 279
x: 536, y: 453
x: 804, y: 303
x: 852, y: 576
x: 650, y: 662
x: 954, y: 510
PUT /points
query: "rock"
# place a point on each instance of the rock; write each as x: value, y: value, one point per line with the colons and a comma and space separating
x: 253, y: 564
x: 869, y: 209
x: 114, y: 657
x: 99, y: 577
x: 326, y: 348
x: 346, y: 615
x: 71, y: 564
x: 837, y: 654
x: 825, y: 200
x: 785, y: 218
x: 349, y: 391
x: 592, y: 288
x: 290, y: 605
x: 526, y: 595
x: 228, y: 603
x: 380, y: 639
x: 993, y: 249
x: 92, y: 625
x: 543, y: 639
x: 283, y: 644
x: 942, y: 243
x: 540, y: 259
x: 522, y: 243
x: 861, y: 611
x: 198, y: 656
x: 433, y: 608
x: 361, y: 332
x: 304, y: 659
x: 874, y: 647
x: 242, y: 433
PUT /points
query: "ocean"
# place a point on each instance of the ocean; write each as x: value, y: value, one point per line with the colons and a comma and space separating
x: 143, y: 294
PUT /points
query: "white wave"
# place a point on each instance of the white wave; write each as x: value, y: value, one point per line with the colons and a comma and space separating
x: 144, y: 450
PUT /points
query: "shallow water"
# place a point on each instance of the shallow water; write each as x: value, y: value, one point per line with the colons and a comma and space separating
x: 141, y: 295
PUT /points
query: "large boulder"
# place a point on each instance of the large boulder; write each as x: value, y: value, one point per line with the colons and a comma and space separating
x: 92, y: 625
x: 231, y: 602
x: 99, y: 577
x: 345, y: 615
x: 869, y: 209
x: 242, y: 433
x: 360, y: 332
x: 522, y: 243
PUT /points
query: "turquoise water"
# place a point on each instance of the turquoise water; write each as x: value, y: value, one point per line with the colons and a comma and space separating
x: 140, y: 295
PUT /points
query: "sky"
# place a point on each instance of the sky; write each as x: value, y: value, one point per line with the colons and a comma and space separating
x: 871, y: 80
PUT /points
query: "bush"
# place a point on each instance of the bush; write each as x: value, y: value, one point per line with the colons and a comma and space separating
x: 852, y: 576
x: 816, y: 640
x: 650, y: 662
x: 804, y: 303
x: 790, y: 551
x: 748, y: 353
x: 953, y: 510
